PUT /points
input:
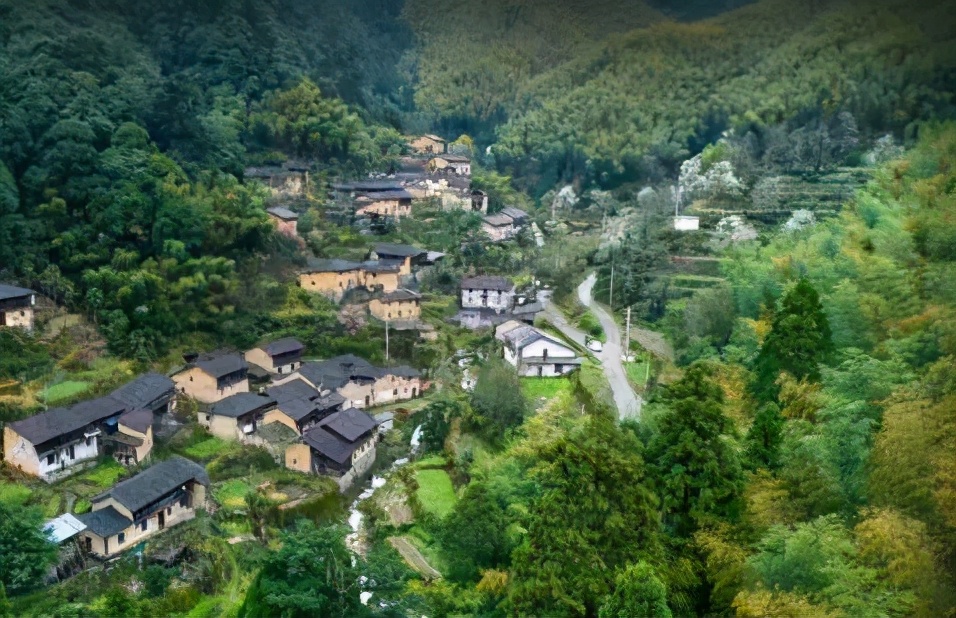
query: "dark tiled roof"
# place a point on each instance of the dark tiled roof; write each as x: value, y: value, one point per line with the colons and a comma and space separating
x: 138, y: 420
x: 381, y: 266
x: 487, y: 283
x: 241, y: 404
x: 330, y: 266
x: 223, y: 365
x: 57, y: 422
x: 11, y: 291
x: 453, y: 158
x: 401, y: 294
x: 403, y: 371
x: 296, y: 389
x: 283, y: 213
x: 434, y: 137
x: 528, y: 308
x: 387, y: 249
x: 350, y: 424
x: 515, y: 213
x: 144, y: 390
x: 393, y: 194
x: 498, y: 220
x: 283, y: 346
x: 155, y: 482
x: 367, y: 185
x: 336, y: 372
x: 329, y: 444
x: 105, y: 522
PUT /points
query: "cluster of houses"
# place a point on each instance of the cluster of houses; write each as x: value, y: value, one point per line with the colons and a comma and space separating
x: 311, y: 415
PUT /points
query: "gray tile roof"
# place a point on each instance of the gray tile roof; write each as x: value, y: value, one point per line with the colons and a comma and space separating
x: 388, y: 249
x: 144, y: 390
x: 515, y: 213
x: 330, y: 266
x: 283, y: 346
x: 487, y: 283
x: 393, y: 194
x: 498, y: 220
x: 58, y: 422
x: 403, y: 371
x: 453, y: 158
x: 223, y: 365
x: 337, y: 436
x: 337, y: 372
x: 295, y: 389
x: 8, y: 292
x: 241, y: 404
x: 400, y: 294
x: 137, y: 420
x: 105, y: 522
x: 367, y: 185
x: 382, y: 266
x: 283, y: 213
x: 155, y: 482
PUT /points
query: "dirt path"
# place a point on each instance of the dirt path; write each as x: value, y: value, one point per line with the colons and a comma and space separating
x: 413, y: 557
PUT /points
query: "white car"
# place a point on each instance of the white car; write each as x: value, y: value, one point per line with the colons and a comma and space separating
x: 595, y: 345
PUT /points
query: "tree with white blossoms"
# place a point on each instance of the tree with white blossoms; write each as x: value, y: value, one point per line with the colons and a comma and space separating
x: 710, y: 182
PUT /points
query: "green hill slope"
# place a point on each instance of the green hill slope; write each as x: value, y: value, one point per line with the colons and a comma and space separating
x: 645, y: 97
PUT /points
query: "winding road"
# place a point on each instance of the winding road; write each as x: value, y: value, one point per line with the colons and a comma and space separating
x: 628, y: 402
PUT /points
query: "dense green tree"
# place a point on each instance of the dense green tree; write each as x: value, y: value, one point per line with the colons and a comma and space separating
x: 637, y: 592
x: 25, y: 551
x: 312, y: 574
x: 798, y: 342
x: 497, y: 402
x: 436, y: 420
x: 474, y: 536
x: 594, y: 514
x: 764, y: 437
x: 697, y: 468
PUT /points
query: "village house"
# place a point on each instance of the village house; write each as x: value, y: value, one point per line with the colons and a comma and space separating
x: 450, y: 163
x: 497, y: 293
x: 504, y: 225
x: 360, y: 383
x: 289, y: 180
x: 426, y: 144
x: 214, y: 378
x: 402, y: 305
x: 279, y: 357
x: 60, y: 441
x: 237, y: 416
x: 335, y: 278
x: 405, y: 255
x: 16, y: 306
x: 150, y: 391
x: 396, y: 203
x: 162, y: 496
x: 132, y: 443
x: 286, y: 221
x: 534, y: 353
x: 341, y: 446
x: 299, y: 406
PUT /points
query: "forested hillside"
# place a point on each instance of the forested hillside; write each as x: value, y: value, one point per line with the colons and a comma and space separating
x: 636, y: 104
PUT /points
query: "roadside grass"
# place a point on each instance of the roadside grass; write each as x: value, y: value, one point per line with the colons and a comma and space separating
x: 638, y: 372
x: 589, y: 323
x: 434, y: 462
x: 541, y: 390
x: 63, y: 390
x: 435, y: 492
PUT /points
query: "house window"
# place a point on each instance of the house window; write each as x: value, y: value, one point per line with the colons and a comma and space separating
x: 89, y: 441
x: 395, y: 392
x: 72, y: 452
x: 190, y: 378
x: 295, y: 461
x: 169, y: 510
x: 280, y: 371
x: 207, y: 418
x: 121, y: 538
x: 142, y: 525
x: 50, y: 459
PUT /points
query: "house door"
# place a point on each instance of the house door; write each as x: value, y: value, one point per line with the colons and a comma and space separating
x: 414, y: 392
x: 367, y: 400
x: 162, y: 520
x: 540, y: 371
x: 3, y: 318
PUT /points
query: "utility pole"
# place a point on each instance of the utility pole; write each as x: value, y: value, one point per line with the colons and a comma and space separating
x: 610, y: 299
x: 386, y: 341
x: 627, y: 336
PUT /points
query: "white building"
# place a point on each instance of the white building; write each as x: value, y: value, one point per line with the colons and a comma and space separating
x: 496, y: 293
x: 685, y: 223
x: 534, y: 353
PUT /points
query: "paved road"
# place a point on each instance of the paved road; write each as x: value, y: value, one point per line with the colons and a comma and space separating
x: 628, y: 402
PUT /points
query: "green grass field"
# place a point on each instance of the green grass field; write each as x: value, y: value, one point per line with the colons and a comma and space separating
x: 435, y: 491
x: 63, y: 390
x: 636, y: 372
x: 232, y: 494
x: 11, y: 493
x: 207, y: 449
x: 104, y: 475
x: 536, y: 389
